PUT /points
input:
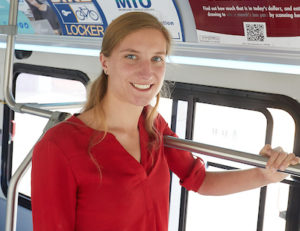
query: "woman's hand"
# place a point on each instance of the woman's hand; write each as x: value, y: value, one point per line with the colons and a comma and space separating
x: 278, y: 160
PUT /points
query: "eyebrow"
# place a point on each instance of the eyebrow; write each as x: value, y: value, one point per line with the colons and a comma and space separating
x: 135, y: 51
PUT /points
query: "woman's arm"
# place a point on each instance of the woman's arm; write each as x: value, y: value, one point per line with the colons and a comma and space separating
x: 222, y: 183
x: 53, y: 189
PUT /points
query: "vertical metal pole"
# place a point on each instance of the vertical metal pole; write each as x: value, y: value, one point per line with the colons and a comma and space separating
x: 12, y: 195
x: 9, y: 54
x: 10, y: 41
x: 8, y: 66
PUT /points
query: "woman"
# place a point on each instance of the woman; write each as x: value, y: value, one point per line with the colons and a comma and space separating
x: 106, y: 168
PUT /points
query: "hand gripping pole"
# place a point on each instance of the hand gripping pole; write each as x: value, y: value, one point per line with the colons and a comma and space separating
x: 223, y: 153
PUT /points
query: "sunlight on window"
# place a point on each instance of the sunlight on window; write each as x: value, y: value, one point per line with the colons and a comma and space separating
x: 238, y: 129
x: 233, y: 128
x: 243, y: 130
x: 165, y: 109
x: 39, y: 89
x: 277, y: 194
x: 283, y: 130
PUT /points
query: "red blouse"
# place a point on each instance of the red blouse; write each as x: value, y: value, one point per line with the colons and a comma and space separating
x: 70, y: 193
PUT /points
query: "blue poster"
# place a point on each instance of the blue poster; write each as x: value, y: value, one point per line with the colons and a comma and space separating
x: 88, y: 18
x: 24, y: 25
x: 80, y: 18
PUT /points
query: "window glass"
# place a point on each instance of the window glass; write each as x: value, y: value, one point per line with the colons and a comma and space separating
x: 181, y: 118
x: 165, y: 109
x: 227, y: 127
x: 233, y: 128
x: 276, y: 206
x: 277, y: 194
x: 233, y: 212
x: 283, y: 130
x: 39, y: 89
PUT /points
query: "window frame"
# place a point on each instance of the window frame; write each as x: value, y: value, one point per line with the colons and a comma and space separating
x: 250, y: 100
x: 8, y: 116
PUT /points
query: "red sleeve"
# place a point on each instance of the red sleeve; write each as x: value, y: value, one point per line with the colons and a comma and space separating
x: 53, y: 189
x: 190, y: 170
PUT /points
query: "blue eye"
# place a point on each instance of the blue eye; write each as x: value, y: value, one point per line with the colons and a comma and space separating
x: 157, y: 59
x: 130, y: 56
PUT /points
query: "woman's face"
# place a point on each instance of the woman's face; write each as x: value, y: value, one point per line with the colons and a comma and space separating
x: 136, y: 67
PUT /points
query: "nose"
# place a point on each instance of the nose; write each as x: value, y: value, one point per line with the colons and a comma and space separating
x: 145, y: 70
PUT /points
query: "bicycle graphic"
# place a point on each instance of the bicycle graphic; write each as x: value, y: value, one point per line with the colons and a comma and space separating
x: 84, y: 13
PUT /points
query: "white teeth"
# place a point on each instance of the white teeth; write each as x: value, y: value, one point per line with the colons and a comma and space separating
x: 141, y: 86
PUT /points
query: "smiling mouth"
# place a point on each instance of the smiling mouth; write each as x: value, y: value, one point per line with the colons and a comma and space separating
x: 141, y: 86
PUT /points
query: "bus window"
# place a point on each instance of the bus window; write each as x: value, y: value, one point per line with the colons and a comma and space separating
x: 284, y: 129
x: 243, y: 121
x: 277, y: 194
x: 242, y: 130
x: 165, y: 109
x: 52, y: 91
x: 40, y: 90
x: 234, y: 128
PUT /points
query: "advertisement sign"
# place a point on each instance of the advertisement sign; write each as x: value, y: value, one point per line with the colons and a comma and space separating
x: 165, y: 11
x: 79, y: 18
x: 86, y: 17
x: 24, y: 24
x: 265, y: 22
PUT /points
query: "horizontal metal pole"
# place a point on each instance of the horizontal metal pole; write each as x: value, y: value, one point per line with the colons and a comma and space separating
x: 223, y: 153
x: 56, y: 106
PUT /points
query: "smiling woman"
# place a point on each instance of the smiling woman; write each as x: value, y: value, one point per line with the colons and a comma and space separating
x: 115, y: 144
x: 107, y: 168
x: 135, y: 68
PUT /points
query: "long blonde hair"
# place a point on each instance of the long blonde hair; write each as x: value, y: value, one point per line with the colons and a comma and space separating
x: 114, y: 34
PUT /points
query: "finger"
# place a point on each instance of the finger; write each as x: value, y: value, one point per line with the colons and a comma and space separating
x: 273, y: 156
x: 278, y: 149
x: 287, y: 161
x: 295, y: 161
x: 266, y: 150
x: 281, y: 158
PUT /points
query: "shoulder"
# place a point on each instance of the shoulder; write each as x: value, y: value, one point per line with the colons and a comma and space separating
x: 63, y: 129
x: 67, y: 136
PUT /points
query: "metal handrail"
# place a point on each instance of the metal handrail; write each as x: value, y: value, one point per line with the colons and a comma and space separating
x: 12, y: 194
x: 56, y: 106
x: 223, y: 153
x: 169, y: 141
x: 8, y: 68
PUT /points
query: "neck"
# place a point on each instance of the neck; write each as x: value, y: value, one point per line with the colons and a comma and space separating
x: 121, y: 116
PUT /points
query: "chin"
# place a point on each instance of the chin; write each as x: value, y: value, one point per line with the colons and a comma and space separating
x: 142, y: 103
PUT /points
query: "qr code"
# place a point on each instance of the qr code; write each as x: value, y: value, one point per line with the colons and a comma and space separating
x: 255, y: 31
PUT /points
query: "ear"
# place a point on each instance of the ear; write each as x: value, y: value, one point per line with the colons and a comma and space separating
x: 103, y: 61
